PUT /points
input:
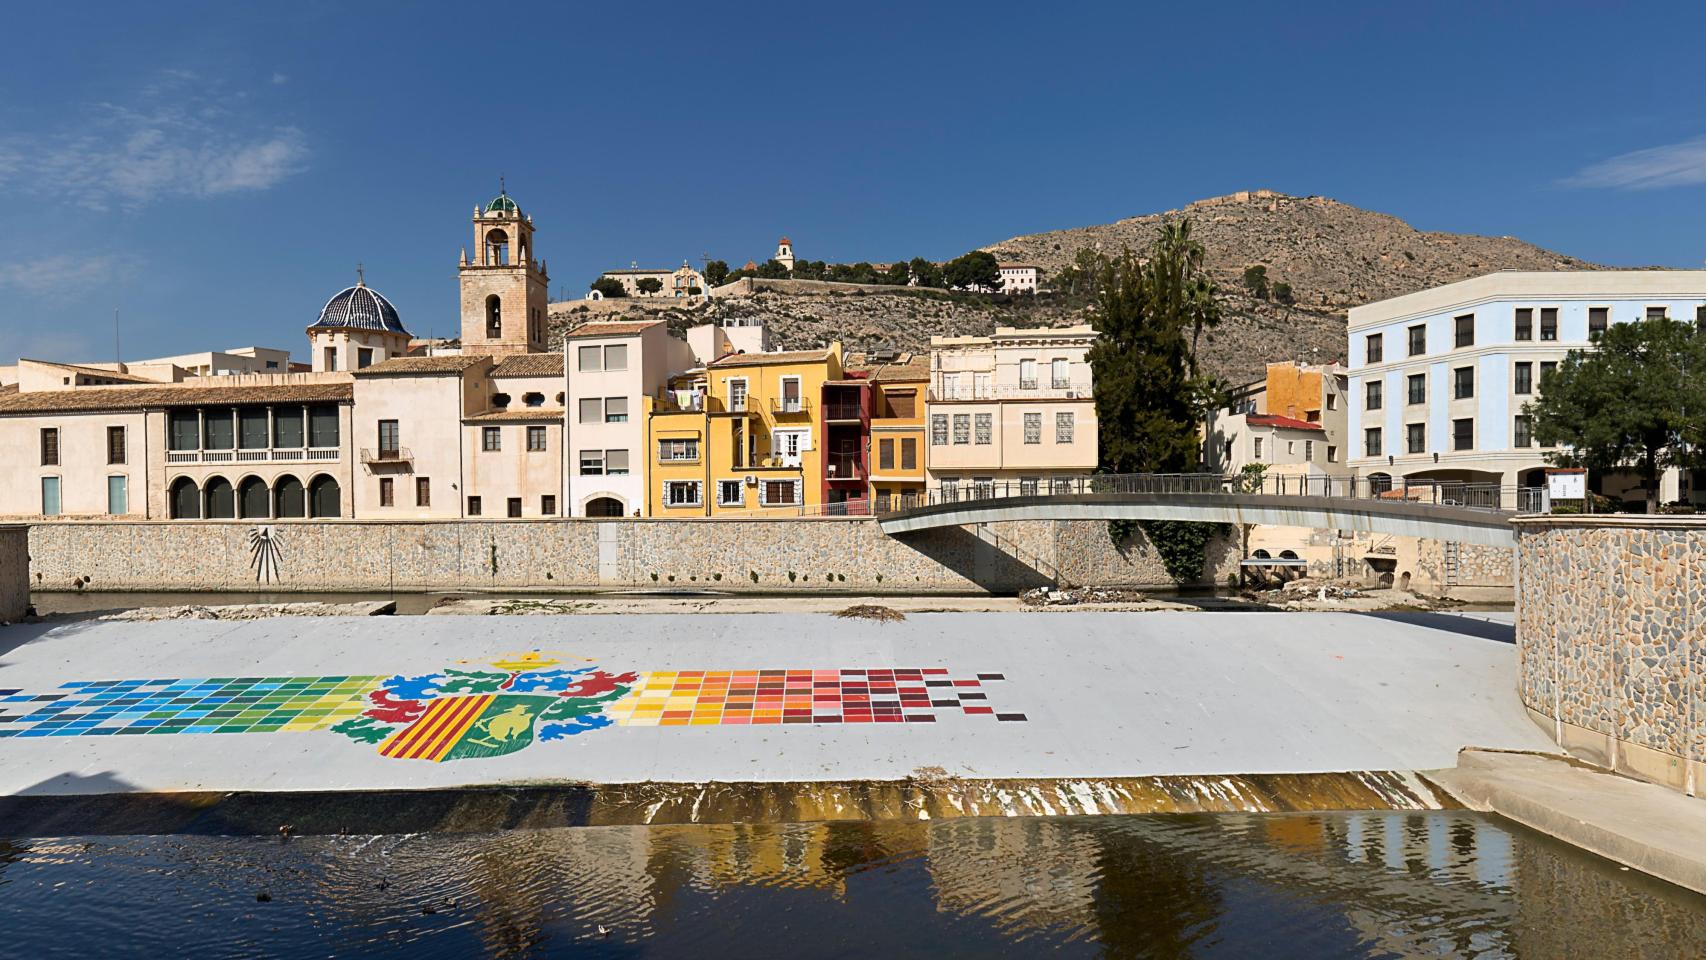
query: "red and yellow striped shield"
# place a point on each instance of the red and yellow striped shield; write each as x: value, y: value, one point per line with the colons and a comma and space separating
x: 432, y: 735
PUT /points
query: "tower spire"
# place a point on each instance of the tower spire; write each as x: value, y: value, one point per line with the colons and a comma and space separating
x: 360, y: 275
x: 503, y: 191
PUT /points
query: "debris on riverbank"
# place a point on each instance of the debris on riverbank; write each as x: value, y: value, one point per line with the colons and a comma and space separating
x: 1310, y: 594
x: 251, y: 611
x: 871, y: 611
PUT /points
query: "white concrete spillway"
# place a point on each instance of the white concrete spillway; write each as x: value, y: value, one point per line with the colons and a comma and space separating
x: 1399, y: 517
x: 330, y: 703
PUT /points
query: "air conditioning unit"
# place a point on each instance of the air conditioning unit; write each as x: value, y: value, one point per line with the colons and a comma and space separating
x: 830, y: 469
x: 752, y: 479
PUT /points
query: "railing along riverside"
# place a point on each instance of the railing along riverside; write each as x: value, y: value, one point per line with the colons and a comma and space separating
x: 1490, y: 497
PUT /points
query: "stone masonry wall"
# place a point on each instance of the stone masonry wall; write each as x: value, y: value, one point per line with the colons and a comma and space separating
x: 839, y: 554
x: 1611, y: 639
x: 14, y: 571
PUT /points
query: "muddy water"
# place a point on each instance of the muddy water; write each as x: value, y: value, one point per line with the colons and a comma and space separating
x: 1381, y: 884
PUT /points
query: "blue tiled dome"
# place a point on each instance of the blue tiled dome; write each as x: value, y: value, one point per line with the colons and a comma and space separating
x: 361, y: 308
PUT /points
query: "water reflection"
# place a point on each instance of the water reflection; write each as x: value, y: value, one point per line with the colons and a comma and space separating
x: 1317, y: 885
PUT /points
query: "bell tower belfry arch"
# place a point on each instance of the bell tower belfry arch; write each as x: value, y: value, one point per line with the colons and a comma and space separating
x: 503, y: 285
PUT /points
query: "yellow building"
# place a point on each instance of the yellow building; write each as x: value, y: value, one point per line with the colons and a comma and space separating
x: 897, y: 431
x: 742, y: 435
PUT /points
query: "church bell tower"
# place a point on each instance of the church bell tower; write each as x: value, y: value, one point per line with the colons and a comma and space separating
x: 503, y: 286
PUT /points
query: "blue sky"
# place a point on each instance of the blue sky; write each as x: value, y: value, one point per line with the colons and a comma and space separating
x: 218, y: 169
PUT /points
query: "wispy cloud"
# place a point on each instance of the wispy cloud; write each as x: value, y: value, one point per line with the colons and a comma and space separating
x: 1672, y: 165
x: 65, y: 274
x: 179, y: 136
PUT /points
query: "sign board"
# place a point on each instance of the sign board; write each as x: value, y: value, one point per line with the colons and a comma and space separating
x: 1567, y: 484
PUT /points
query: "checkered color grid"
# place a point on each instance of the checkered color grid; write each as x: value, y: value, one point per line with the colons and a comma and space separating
x: 90, y: 708
x: 731, y: 697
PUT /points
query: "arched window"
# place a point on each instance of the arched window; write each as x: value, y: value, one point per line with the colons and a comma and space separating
x: 1379, y: 483
x: 533, y: 399
x: 324, y: 497
x: 497, y: 248
x: 500, y: 401
x: 494, y: 316
x: 604, y: 507
x: 292, y: 500
x: 185, y: 499
x: 219, y: 499
x: 254, y: 500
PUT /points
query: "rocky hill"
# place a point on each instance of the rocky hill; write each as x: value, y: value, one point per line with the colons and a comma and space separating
x: 1333, y: 256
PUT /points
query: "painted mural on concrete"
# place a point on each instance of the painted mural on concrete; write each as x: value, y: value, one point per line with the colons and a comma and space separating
x: 491, y: 708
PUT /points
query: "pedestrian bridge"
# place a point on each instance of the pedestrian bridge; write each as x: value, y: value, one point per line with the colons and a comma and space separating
x: 1464, y: 512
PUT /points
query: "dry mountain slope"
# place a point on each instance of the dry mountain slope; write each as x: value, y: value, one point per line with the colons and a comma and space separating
x: 1334, y: 256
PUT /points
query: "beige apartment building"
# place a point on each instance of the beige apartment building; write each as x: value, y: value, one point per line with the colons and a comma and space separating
x: 1014, y: 407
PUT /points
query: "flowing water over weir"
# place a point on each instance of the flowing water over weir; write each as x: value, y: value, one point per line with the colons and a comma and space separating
x: 552, y: 805
x: 1279, y: 886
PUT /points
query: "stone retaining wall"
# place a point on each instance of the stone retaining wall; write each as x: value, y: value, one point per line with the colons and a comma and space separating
x: 1611, y: 640
x: 828, y: 554
x: 14, y: 571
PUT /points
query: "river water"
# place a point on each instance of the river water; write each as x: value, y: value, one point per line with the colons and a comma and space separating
x: 1399, y: 884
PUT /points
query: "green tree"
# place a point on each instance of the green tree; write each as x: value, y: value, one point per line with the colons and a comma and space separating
x: 1636, y: 399
x: 1256, y: 281
x: 610, y: 287
x: 1078, y: 279
x: 898, y: 274
x: 649, y: 285
x: 1149, y: 396
x: 773, y: 269
x: 1181, y: 286
x: 716, y: 272
x: 927, y: 272
x: 977, y: 270
x: 1283, y: 294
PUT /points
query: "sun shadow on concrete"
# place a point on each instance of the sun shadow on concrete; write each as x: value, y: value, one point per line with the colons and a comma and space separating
x: 18, y: 635
x: 990, y: 561
x: 1451, y: 623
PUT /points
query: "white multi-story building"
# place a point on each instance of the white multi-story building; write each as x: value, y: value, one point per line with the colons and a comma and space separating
x: 1018, y: 277
x: 1439, y: 378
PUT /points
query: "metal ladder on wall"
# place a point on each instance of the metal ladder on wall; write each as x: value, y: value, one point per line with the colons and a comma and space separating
x: 1452, y: 562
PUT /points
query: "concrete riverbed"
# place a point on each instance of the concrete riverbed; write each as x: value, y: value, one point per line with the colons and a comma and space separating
x: 347, y: 703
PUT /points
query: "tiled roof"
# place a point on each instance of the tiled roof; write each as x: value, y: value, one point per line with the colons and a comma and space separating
x: 1286, y: 423
x: 767, y: 359
x: 137, y: 398
x: 361, y: 308
x: 614, y: 328
x: 421, y: 366
x: 918, y: 368
x: 511, y: 416
x: 530, y: 365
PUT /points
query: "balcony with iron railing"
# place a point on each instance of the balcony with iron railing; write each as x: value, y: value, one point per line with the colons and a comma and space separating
x: 844, y: 411
x: 1025, y: 390
x: 790, y: 405
x: 387, y: 455
x: 843, y: 466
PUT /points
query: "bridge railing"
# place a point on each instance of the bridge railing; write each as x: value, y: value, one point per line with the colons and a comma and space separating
x: 1492, y: 497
